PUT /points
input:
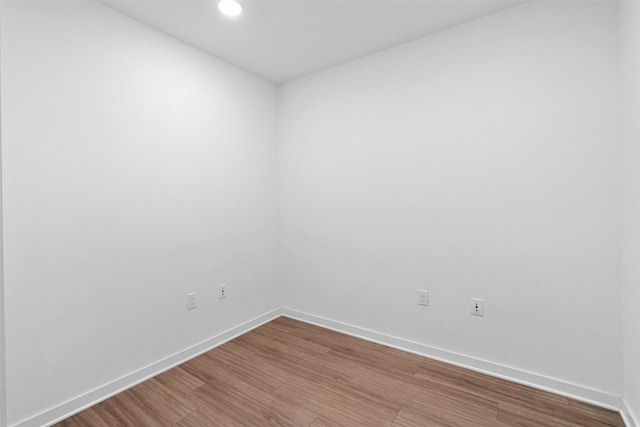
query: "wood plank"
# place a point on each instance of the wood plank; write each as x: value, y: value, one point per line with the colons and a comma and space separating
x: 323, y: 422
x: 127, y: 410
x: 514, y: 415
x: 477, y: 384
x: 449, y: 404
x: 412, y: 417
x: 250, y: 410
x: 211, y: 418
x: 602, y: 415
x: 342, y: 404
x: 83, y: 419
x: 179, y: 380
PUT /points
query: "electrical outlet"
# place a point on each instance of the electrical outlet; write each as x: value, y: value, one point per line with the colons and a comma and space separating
x: 222, y: 291
x: 191, y: 300
x: 423, y: 297
x: 477, y: 307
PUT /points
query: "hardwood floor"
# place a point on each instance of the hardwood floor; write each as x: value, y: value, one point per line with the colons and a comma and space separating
x: 294, y: 374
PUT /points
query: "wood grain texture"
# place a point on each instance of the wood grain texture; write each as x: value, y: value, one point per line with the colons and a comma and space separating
x: 289, y: 373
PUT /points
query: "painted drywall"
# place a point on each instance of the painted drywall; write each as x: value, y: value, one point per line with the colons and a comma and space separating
x: 630, y: 38
x: 478, y: 162
x: 136, y: 169
x: 3, y: 383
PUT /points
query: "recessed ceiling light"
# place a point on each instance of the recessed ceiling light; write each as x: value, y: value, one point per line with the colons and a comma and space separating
x: 230, y: 7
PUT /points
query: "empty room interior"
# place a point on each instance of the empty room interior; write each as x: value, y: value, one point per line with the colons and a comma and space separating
x: 315, y: 211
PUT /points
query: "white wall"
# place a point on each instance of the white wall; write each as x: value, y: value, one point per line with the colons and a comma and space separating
x: 3, y: 389
x: 136, y: 169
x: 478, y: 162
x: 630, y: 37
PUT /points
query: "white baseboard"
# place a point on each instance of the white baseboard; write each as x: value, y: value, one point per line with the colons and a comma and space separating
x: 519, y: 376
x: 54, y: 415
x: 628, y: 416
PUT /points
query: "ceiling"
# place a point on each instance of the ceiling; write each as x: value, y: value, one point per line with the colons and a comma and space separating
x: 283, y: 40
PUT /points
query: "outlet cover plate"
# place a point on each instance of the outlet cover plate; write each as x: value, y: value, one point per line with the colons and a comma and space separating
x: 191, y: 300
x: 477, y: 307
x: 423, y: 297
